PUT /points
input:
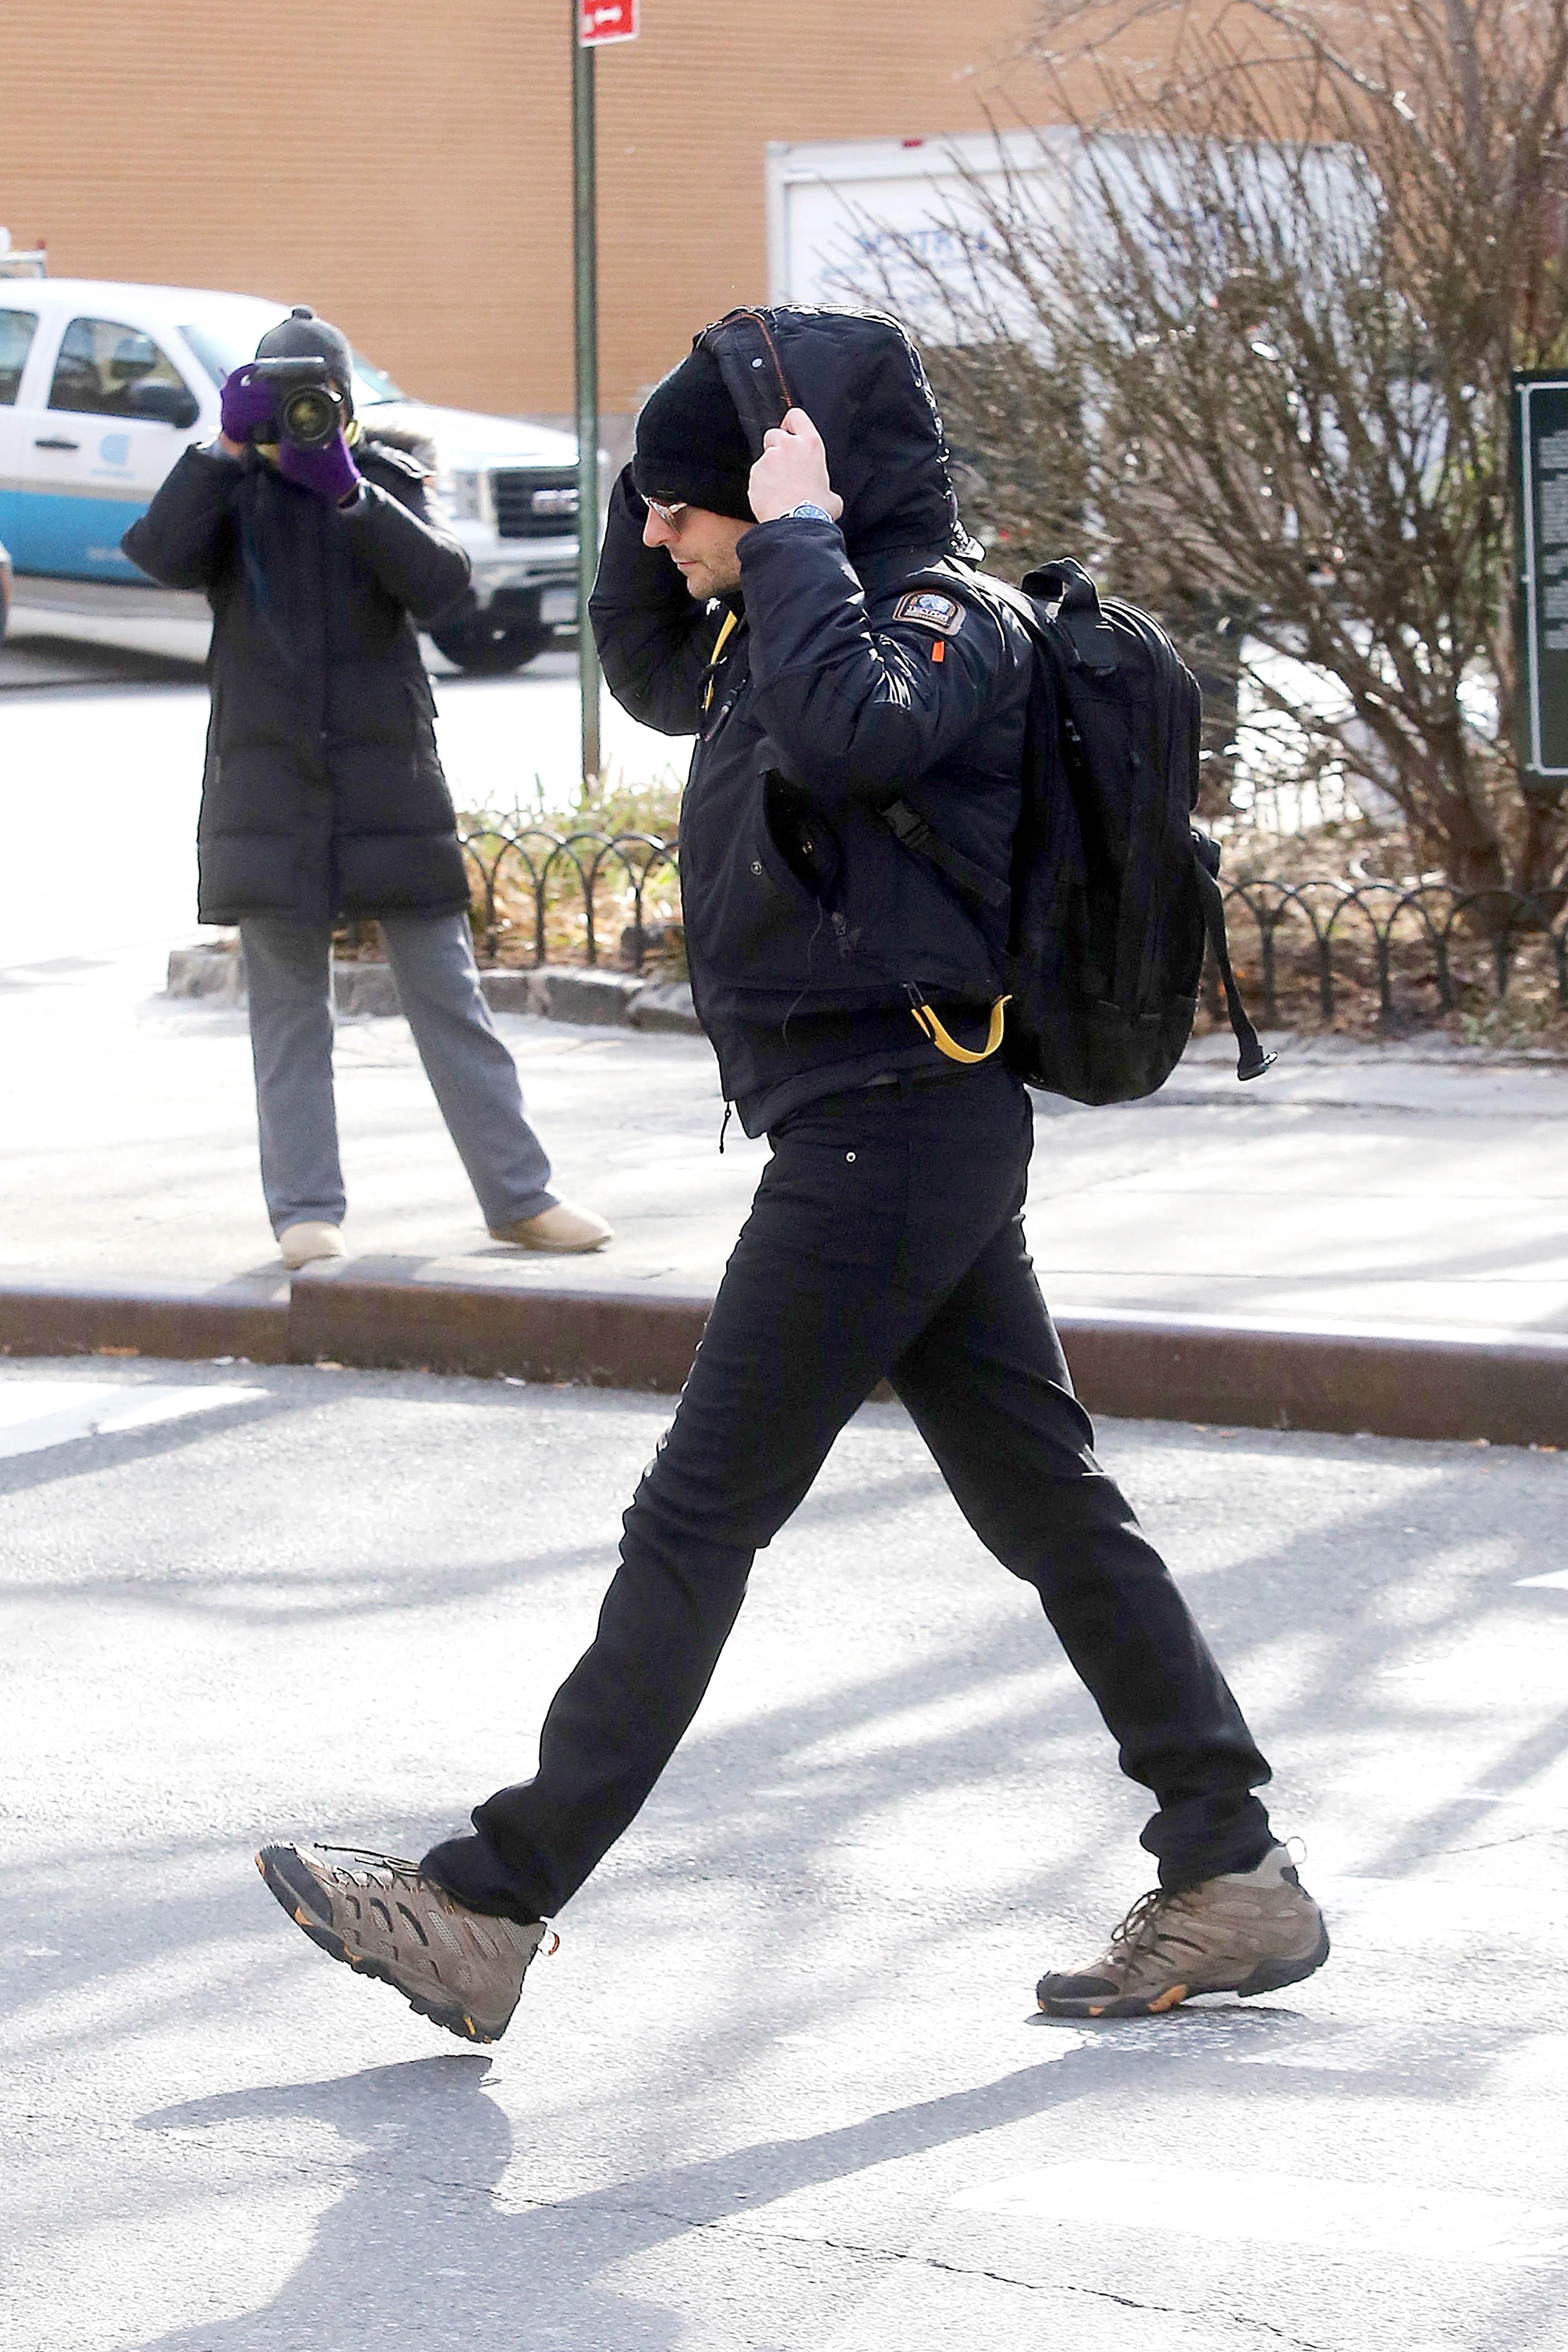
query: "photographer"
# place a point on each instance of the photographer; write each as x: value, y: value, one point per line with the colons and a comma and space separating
x: 815, y: 619
x: 323, y: 795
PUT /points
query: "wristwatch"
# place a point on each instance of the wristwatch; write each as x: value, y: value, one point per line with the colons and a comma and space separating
x: 808, y: 511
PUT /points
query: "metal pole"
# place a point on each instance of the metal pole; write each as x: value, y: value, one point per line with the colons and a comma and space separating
x: 586, y: 271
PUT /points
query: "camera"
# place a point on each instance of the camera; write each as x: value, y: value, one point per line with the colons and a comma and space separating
x: 309, y: 407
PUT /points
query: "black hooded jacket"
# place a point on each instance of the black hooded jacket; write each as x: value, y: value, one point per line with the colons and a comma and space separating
x: 323, y: 792
x: 843, y: 688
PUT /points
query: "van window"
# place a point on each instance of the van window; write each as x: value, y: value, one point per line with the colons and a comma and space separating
x: 99, y: 360
x: 17, y: 329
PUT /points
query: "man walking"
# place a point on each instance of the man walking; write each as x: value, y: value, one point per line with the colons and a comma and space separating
x: 323, y: 794
x: 796, y: 615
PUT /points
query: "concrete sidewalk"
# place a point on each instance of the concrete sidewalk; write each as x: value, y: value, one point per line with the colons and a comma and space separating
x: 1353, y: 1185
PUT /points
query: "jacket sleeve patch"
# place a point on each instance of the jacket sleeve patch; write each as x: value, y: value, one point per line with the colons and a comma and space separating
x: 932, y: 610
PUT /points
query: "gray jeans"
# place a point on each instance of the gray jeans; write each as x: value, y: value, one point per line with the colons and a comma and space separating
x: 473, y: 1077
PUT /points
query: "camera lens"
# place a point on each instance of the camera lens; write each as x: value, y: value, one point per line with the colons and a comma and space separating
x: 310, y: 416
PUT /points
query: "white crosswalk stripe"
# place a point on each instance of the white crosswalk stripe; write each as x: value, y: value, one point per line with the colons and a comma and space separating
x: 1347, y: 2217
x: 36, y: 1414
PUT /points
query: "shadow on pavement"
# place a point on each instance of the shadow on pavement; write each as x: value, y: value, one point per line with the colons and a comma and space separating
x: 420, y: 2211
x: 779, y: 1805
x: 433, y: 2148
x: 29, y: 662
x: 417, y: 2229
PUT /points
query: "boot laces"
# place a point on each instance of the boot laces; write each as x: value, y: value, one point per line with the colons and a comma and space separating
x: 397, y: 1866
x: 394, y: 1864
x: 1146, y: 1926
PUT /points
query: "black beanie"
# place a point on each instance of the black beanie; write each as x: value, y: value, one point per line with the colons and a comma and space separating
x: 302, y: 336
x: 690, y: 448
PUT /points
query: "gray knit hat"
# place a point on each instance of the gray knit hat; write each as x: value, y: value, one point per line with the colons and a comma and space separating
x: 302, y: 336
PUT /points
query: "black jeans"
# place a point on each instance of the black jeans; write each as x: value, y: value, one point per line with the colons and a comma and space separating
x: 886, y: 1237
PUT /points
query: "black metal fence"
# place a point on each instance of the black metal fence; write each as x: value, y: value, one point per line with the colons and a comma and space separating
x: 552, y: 898
x: 1405, y: 953
x: 1394, y: 955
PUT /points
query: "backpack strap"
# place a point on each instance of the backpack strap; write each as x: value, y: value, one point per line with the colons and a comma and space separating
x: 915, y: 834
x: 909, y: 826
x: 743, y: 345
x: 1251, y: 1059
x: 1073, y: 603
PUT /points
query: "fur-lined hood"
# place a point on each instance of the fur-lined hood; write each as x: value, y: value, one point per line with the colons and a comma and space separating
x: 418, y: 445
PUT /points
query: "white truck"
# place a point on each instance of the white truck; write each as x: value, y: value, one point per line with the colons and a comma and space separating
x: 102, y: 387
x: 900, y: 220
x: 891, y: 220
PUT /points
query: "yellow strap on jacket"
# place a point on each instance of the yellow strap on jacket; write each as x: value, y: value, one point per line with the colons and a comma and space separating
x: 732, y: 622
x: 949, y: 1045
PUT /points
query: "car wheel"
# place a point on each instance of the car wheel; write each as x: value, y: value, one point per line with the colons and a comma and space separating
x: 486, y: 648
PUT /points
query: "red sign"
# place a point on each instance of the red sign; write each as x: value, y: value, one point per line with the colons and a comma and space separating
x: 607, y: 20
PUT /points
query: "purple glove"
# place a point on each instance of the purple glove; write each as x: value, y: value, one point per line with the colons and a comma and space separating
x: 246, y: 405
x: 331, y: 473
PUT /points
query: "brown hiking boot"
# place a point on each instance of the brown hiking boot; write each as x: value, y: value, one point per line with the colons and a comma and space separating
x: 460, y: 1969
x: 1249, y: 1932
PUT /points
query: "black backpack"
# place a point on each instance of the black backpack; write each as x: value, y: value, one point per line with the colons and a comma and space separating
x: 1114, y: 892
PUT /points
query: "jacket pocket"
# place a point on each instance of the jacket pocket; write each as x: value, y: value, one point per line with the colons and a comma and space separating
x: 431, y: 801
x: 749, y: 916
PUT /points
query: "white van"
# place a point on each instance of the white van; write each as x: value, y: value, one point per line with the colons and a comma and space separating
x: 102, y: 386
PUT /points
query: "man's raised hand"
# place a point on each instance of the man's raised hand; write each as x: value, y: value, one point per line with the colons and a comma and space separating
x: 792, y: 471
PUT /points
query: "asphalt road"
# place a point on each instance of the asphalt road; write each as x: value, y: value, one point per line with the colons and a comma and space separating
x: 783, y: 2086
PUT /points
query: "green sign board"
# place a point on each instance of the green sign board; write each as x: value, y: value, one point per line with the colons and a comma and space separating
x: 1540, y: 538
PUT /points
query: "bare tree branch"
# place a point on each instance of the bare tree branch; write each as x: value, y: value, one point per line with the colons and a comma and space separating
x: 1256, y: 371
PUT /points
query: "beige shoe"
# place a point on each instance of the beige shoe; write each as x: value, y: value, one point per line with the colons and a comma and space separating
x: 1250, y: 1932
x: 301, y: 1243
x: 563, y: 1228
x: 459, y: 1967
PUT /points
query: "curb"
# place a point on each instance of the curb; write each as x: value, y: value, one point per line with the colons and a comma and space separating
x: 62, y: 1318
x: 590, y: 1338
x: 552, y: 992
x: 1490, y: 1387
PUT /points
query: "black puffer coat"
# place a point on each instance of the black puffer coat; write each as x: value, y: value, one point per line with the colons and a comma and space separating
x: 322, y: 793
x: 806, y: 921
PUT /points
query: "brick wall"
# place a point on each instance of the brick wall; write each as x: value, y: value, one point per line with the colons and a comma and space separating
x: 406, y: 169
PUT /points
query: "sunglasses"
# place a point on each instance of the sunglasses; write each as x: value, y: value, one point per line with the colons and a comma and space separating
x: 666, y: 509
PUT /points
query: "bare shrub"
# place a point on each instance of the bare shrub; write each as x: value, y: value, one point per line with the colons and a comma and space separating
x: 1256, y: 373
